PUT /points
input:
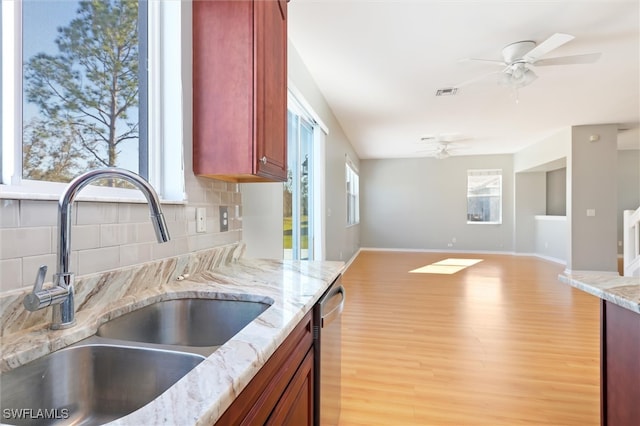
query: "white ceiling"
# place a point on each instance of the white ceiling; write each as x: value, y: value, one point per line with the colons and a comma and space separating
x: 379, y: 63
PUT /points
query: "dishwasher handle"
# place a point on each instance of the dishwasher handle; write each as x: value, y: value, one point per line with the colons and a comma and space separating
x: 330, y: 316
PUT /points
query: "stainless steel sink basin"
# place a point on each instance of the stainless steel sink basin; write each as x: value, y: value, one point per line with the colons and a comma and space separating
x: 87, y: 385
x: 184, y: 322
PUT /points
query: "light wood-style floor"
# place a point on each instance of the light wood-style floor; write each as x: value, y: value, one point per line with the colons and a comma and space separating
x: 502, y: 342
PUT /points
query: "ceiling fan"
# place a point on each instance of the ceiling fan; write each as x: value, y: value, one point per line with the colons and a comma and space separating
x: 444, y: 145
x: 518, y: 58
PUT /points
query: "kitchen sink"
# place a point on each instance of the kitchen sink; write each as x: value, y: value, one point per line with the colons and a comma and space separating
x: 184, y: 322
x: 89, y: 384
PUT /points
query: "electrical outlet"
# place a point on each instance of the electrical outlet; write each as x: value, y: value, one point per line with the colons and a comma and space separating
x: 224, y: 219
x: 201, y: 219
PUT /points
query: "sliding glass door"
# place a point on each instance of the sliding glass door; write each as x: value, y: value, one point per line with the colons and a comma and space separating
x: 297, y: 193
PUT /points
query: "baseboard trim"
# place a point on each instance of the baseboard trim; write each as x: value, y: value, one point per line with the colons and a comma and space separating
x: 508, y: 253
x: 350, y: 261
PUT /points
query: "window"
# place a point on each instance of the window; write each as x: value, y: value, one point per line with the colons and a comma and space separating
x: 85, y: 75
x: 484, y: 196
x: 353, y: 194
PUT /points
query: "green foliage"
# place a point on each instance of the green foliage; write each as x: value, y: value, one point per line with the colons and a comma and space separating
x: 87, y: 90
x: 51, y: 153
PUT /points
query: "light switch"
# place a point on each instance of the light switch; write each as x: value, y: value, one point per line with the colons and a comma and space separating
x: 591, y: 212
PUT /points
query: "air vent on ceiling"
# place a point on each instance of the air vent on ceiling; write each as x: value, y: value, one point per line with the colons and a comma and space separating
x: 449, y: 91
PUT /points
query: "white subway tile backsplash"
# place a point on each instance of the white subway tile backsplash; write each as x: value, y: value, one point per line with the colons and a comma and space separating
x: 107, y: 235
x: 10, y: 274
x: 31, y: 264
x: 213, y: 197
x: 160, y: 251
x: 133, y: 213
x: 21, y: 242
x: 177, y: 229
x: 9, y: 213
x: 97, y: 260
x: 181, y: 244
x: 135, y: 253
x: 89, y: 213
x: 83, y: 237
x: 146, y: 233
x: 118, y: 234
x: 180, y: 213
x: 38, y: 213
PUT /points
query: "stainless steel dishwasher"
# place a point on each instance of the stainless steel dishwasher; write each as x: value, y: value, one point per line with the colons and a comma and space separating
x: 328, y: 352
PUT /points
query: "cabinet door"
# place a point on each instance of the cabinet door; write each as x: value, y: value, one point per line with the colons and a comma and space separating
x: 271, y: 89
x: 295, y: 407
x: 620, y: 366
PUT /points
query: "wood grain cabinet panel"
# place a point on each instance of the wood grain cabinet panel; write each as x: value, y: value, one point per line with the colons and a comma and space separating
x: 240, y: 90
x: 282, y: 391
x: 620, y: 366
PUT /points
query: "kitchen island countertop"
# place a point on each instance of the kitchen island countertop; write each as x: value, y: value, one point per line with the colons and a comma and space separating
x: 622, y: 291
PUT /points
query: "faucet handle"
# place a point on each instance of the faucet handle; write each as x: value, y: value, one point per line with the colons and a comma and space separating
x: 42, y: 272
x: 40, y: 298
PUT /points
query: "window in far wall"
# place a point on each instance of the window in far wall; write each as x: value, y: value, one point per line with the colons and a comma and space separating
x: 484, y: 196
x: 353, y: 194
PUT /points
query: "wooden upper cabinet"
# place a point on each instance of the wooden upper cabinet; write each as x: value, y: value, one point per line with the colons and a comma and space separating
x: 240, y: 90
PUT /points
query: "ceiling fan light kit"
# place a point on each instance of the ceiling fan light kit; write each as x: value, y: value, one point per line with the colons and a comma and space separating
x: 442, y: 153
x: 517, y: 76
x: 519, y: 56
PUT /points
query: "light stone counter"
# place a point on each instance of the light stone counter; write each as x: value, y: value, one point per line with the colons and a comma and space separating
x: 201, y: 396
x: 622, y: 291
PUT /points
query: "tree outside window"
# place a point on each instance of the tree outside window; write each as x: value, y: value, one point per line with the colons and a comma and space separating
x: 81, y: 94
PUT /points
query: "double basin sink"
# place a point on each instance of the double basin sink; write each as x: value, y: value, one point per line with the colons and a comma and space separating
x: 130, y: 361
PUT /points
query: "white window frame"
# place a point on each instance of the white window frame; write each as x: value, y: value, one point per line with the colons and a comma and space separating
x: 485, y: 172
x: 165, y: 139
x: 298, y: 104
x: 352, y: 180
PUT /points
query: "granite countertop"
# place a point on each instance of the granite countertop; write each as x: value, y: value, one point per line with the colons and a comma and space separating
x: 623, y: 291
x: 203, y: 395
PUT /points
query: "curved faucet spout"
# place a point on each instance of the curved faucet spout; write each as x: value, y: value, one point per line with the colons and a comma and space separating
x: 68, y: 197
x: 62, y: 294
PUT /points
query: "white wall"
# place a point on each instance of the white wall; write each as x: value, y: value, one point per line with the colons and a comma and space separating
x: 591, y: 185
x: 551, y: 238
x: 420, y: 203
x: 548, y: 154
x: 628, y: 185
x: 341, y: 242
x: 557, y: 192
x: 529, y: 202
x: 262, y: 213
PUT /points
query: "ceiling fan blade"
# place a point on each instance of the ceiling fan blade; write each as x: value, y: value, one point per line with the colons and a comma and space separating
x: 553, y: 42
x: 588, y: 58
x: 489, y: 61
x: 473, y: 80
x: 443, y: 138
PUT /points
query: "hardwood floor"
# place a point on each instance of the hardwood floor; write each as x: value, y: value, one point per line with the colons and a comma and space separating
x: 502, y: 342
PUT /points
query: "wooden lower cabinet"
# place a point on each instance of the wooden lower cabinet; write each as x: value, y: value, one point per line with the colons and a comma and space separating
x: 282, y: 391
x: 620, y: 366
x: 296, y: 404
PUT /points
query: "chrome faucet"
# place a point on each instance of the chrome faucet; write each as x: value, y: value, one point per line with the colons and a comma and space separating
x: 61, y: 294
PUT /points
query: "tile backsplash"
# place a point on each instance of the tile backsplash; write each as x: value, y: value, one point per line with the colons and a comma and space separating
x: 110, y: 235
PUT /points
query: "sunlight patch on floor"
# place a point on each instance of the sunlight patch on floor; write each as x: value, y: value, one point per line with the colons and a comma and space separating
x: 446, y: 266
